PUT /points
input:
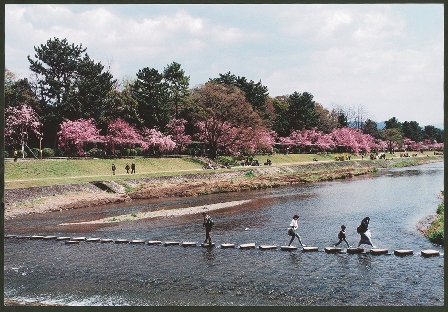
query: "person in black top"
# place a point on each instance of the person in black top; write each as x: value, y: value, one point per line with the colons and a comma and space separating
x: 208, y: 223
x: 341, y: 236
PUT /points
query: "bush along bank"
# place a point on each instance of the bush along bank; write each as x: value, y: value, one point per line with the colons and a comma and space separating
x: 436, y: 231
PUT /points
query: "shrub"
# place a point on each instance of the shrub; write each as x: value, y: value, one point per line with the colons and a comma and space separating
x: 138, y: 151
x: 35, y: 151
x: 59, y: 153
x: 47, y: 152
x: 441, y: 209
x: 5, y: 154
x: 19, y: 154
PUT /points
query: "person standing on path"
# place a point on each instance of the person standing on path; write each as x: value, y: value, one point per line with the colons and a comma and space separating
x: 208, y: 223
x: 132, y: 168
x: 341, y: 236
x: 113, y: 169
x: 292, y: 230
x: 363, y: 230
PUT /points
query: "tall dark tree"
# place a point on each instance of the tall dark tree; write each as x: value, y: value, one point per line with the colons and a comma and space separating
x: 370, y: 127
x: 178, y: 85
x: 393, y: 123
x: 256, y: 94
x: 412, y: 130
x: 302, y: 111
x: 69, y: 84
x: 281, y: 121
x: 152, y: 95
x: 432, y: 133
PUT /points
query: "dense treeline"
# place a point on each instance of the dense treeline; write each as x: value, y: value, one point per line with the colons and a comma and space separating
x: 73, y: 104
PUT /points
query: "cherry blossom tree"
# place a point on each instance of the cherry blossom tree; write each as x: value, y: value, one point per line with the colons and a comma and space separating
x: 121, y: 133
x: 74, y: 135
x: 176, y: 127
x: 157, y: 141
x: 20, y: 123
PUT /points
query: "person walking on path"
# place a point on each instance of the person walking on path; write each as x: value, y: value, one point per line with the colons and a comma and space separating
x: 341, y: 236
x: 292, y: 231
x: 127, y: 168
x: 132, y: 168
x: 363, y: 230
x: 208, y: 223
x: 113, y: 169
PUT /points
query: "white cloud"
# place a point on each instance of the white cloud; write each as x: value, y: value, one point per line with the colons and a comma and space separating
x: 371, y: 55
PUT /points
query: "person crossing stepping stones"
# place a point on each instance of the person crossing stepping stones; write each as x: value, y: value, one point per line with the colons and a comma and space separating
x: 341, y: 236
x: 292, y: 231
x: 208, y: 224
x: 363, y: 230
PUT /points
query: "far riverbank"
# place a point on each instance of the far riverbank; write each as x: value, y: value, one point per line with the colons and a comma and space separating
x: 77, y: 196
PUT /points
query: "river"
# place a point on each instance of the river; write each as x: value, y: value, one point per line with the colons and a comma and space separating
x: 108, y: 274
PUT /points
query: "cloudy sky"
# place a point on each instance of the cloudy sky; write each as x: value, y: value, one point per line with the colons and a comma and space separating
x: 385, y: 58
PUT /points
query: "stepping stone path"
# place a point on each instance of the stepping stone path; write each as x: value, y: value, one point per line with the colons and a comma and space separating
x: 49, y: 237
x: 137, y: 241
x: 355, y: 250
x: 70, y: 242
x: 24, y: 237
x: 403, y: 252
x: 171, y: 243
x: 121, y: 241
x: 36, y: 237
x: 307, y: 249
x: 247, y: 246
x: 187, y: 244
x: 288, y: 248
x: 378, y: 251
x: 227, y: 246
x: 79, y: 239
x: 267, y: 247
x: 430, y: 253
x: 60, y: 238
x: 332, y: 249
x: 93, y: 239
x: 154, y: 242
x: 107, y: 240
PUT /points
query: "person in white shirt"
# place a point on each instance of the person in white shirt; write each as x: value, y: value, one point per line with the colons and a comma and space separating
x: 292, y: 231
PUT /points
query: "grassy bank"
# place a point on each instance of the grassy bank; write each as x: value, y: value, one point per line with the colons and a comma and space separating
x: 436, y: 232
x: 30, y: 173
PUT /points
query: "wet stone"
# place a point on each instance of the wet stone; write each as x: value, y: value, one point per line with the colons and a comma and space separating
x: 355, y: 250
x: 227, y: 245
x: 310, y: 249
x: 403, y: 252
x: 332, y: 249
x: 154, y: 242
x: 430, y: 253
x: 288, y: 248
x: 267, y: 247
x: 247, y: 246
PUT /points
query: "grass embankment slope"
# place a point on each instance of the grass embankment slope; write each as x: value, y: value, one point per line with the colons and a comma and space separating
x: 436, y: 231
x: 32, y: 173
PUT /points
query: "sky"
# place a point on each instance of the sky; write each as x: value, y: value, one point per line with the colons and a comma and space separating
x: 386, y: 59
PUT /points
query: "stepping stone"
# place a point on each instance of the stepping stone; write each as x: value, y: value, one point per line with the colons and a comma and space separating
x: 267, y: 247
x: 403, y: 252
x: 288, y: 248
x: 49, y: 237
x: 10, y: 236
x: 306, y: 249
x: 227, y: 246
x: 171, y: 243
x: 137, y: 241
x: 378, y: 251
x: 93, y: 239
x: 332, y: 249
x: 107, y: 240
x: 70, y: 242
x: 79, y: 239
x: 60, y: 238
x: 187, y: 244
x: 36, y: 237
x: 154, y: 242
x: 355, y: 250
x: 430, y: 253
x: 208, y: 245
x: 24, y: 236
x: 247, y: 246
x: 121, y: 241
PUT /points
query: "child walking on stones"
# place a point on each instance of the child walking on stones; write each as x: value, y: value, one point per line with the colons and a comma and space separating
x: 341, y: 236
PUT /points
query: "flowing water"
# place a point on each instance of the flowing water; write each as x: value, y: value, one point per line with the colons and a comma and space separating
x: 127, y: 274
